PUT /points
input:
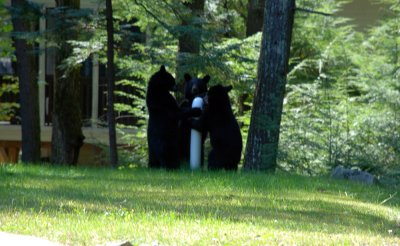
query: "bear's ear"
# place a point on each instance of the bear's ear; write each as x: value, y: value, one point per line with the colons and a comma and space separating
x: 228, y: 88
x: 162, y: 69
x: 206, y: 78
x: 187, y: 77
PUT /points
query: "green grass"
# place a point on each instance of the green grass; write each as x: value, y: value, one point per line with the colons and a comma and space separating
x: 78, y: 206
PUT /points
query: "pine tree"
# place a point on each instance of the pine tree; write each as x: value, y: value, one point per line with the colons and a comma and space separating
x: 262, y: 143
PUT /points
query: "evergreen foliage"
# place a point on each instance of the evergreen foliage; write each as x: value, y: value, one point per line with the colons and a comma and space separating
x: 6, y: 47
x: 342, y: 102
x: 335, y: 112
x: 7, y: 109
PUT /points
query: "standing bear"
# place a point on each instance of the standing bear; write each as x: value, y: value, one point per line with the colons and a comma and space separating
x: 225, y: 135
x: 194, y: 87
x: 164, y: 117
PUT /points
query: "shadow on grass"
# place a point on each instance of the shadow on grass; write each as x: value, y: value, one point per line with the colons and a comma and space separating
x: 259, y: 199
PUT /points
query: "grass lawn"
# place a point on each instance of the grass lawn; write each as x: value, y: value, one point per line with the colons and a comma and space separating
x: 77, y: 206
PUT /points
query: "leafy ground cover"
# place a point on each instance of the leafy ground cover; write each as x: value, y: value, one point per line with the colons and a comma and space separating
x: 76, y: 206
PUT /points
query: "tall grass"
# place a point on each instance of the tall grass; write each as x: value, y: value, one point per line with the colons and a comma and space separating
x: 78, y: 206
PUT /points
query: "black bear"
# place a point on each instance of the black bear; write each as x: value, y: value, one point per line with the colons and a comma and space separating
x: 164, y: 117
x: 194, y: 87
x: 225, y: 135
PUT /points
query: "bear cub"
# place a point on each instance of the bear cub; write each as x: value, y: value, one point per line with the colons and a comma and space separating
x: 164, y: 118
x: 225, y: 136
x: 194, y: 87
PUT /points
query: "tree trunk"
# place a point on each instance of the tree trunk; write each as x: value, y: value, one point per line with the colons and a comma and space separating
x: 188, y: 43
x: 67, y: 136
x: 254, y: 23
x: 263, y: 138
x: 255, y: 16
x: 28, y: 87
x: 110, y: 86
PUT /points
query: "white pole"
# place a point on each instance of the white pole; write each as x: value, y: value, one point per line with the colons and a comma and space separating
x: 195, y: 140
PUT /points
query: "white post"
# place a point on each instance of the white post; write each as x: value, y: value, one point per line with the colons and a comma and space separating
x: 42, y: 73
x: 95, y: 89
x: 195, y: 140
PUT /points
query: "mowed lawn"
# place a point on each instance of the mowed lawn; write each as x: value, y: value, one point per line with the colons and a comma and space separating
x: 81, y: 206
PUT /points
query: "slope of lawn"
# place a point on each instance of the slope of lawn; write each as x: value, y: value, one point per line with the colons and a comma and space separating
x: 77, y: 206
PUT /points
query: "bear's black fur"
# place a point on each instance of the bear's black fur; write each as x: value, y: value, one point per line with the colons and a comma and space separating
x: 164, y: 117
x: 225, y: 135
x: 194, y: 87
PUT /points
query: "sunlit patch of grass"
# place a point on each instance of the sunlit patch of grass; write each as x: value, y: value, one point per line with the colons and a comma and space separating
x: 78, y: 206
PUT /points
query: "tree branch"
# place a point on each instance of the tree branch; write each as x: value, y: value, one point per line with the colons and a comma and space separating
x: 313, y: 11
x: 174, y: 10
x: 162, y: 23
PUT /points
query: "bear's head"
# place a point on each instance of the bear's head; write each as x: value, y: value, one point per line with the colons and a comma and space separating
x: 162, y: 81
x: 195, y: 87
x: 217, y: 97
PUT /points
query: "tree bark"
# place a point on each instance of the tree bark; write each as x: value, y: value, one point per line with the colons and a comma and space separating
x: 28, y: 87
x: 67, y: 136
x: 110, y: 86
x: 255, y: 16
x: 254, y: 23
x: 263, y: 138
x: 188, y: 42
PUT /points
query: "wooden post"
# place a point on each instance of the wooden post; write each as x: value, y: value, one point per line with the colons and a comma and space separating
x: 110, y: 85
x: 95, y: 89
x: 42, y: 72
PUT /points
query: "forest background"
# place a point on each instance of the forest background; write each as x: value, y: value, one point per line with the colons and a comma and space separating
x: 342, y: 96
